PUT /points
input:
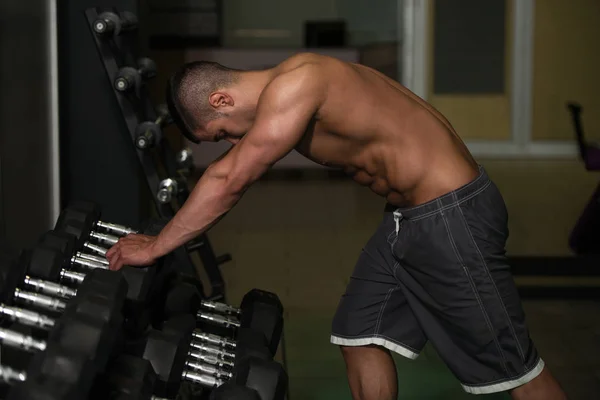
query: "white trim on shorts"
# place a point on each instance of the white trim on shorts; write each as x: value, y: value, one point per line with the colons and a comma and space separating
x: 506, y: 385
x: 363, y: 341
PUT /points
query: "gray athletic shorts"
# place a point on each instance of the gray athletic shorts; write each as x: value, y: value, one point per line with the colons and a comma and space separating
x: 439, y: 272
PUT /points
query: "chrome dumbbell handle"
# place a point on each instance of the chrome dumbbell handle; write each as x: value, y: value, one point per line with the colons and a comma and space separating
x: 219, y: 320
x: 20, y: 341
x: 82, y: 262
x: 95, y: 248
x: 26, y: 317
x: 11, y: 376
x: 72, y: 276
x: 210, y: 359
x: 201, y: 379
x: 104, y: 238
x: 213, y: 339
x: 91, y: 257
x: 115, y: 228
x: 208, y: 370
x: 220, y: 307
x: 49, y: 288
x: 40, y: 300
x: 210, y: 349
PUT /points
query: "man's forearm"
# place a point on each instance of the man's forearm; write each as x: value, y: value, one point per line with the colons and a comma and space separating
x: 210, y: 200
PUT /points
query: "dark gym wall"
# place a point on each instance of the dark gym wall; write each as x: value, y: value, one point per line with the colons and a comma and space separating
x: 97, y: 159
x: 27, y: 199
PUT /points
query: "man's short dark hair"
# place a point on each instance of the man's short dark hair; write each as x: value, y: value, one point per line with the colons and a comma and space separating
x: 188, y: 90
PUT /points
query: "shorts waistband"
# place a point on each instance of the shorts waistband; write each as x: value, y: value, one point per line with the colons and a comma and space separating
x: 450, y: 199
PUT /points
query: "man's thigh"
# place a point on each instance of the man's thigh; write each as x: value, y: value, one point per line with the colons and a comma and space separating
x: 374, y: 310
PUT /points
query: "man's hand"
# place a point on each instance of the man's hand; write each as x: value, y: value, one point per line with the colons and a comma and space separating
x: 134, y: 250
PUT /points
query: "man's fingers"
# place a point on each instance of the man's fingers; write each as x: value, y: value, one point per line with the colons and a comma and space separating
x: 112, y: 250
x: 114, y: 261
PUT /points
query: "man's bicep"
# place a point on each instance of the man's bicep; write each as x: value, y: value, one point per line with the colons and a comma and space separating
x: 266, y: 144
x: 285, y: 110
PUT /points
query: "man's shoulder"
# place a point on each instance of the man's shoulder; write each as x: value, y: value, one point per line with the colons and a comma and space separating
x: 302, y: 77
x: 306, y: 62
x: 300, y: 68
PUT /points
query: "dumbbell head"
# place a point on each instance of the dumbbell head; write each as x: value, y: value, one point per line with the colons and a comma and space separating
x: 64, y: 244
x: 92, y: 321
x: 167, y: 352
x: 64, y: 365
x: 147, y: 135
x: 44, y: 388
x: 162, y: 112
x: 86, y: 335
x: 43, y: 262
x: 232, y: 390
x: 127, y: 79
x: 182, y: 298
x: 129, y: 376
x: 101, y: 295
x: 82, y: 211
x: 263, y: 312
x: 266, y: 377
x: 76, y: 223
x: 11, y: 276
x: 110, y: 24
x: 107, y: 24
x: 129, y: 21
x: 251, y: 344
x: 146, y: 67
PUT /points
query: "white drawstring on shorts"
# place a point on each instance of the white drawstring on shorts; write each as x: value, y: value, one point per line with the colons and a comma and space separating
x: 397, y: 218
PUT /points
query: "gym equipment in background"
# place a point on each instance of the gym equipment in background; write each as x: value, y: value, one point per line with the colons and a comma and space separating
x: 585, y: 236
x: 166, y: 171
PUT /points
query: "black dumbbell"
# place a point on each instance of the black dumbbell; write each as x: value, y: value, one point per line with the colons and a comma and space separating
x: 54, y: 373
x: 145, y: 285
x: 90, y: 324
x: 175, y: 356
x: 259, y: 310
x: 12, y: 276
x: 51, y: 260
x: 46, y: 262
x: 101, y: 294
x: 82, y: 219
x: 149, y: 133
x: 111, y: 24
x: 128, y: 377
x: 130, y: 78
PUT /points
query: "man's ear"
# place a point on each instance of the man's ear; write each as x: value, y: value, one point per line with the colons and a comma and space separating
x: 220, y: 99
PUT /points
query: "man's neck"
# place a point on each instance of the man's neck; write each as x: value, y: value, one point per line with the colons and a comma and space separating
x: 252, y: 83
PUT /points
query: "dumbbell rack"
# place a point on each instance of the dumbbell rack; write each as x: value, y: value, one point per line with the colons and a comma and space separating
x: 117, y: 52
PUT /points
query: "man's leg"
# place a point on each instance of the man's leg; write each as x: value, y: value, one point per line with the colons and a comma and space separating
x: 373, y: 317
x: 542, y: 387
x: 371, y: 373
